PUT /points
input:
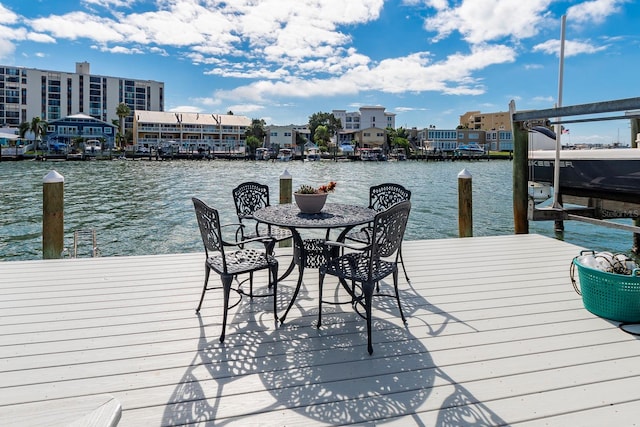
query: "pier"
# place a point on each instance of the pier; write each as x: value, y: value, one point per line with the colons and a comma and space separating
x: 496, y: 335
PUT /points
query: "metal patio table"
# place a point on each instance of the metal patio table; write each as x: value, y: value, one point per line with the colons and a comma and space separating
x: 309, y: 252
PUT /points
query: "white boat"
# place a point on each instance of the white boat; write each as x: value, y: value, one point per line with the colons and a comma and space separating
x: 399, y: 154
x: 312, y: 155
x: 262, y: 153
x: 92, y: 147
x: 284, y: 155
x: 372, y: 155
x: 470, y: 150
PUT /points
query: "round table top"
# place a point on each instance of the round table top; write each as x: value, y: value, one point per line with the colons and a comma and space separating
x: 333, y: 215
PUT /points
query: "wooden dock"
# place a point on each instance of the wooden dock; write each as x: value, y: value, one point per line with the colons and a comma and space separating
x: 496, y: 335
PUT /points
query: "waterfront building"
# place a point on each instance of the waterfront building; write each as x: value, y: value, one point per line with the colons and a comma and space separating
x: 477, y: 120
x: 80, y: 128
x: 362, y: 125
x: 281, y: 136
x: 190, y: 132
x: 26, y: 93
x: 433, y: 140
x: 499, y: 140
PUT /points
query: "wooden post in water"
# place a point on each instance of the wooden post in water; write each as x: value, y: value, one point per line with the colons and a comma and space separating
x: 520, y: 174
x: 465, y: 204
x: 286, y: 194
x: 52, y: 215
x: 286, y: 181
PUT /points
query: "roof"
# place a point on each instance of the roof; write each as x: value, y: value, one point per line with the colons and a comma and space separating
x: 165, y: 117
x: 80, y: 117
x: 8, y: 135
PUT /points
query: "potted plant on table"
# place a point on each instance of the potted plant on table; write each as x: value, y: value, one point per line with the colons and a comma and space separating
x: 310, y: 199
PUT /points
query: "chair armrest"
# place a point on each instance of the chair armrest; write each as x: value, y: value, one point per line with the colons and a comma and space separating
x: 360, y: 247
x: 233, y: 224
x: 261, y: 239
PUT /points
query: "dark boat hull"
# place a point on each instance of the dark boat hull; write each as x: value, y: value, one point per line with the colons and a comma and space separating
x: 612, y: 174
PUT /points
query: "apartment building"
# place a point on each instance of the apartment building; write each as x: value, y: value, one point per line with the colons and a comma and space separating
x: 366, y: 117
x: 26, y: 93
x: 447, y: 140
x: 190, y: 132
x: 477, y: 120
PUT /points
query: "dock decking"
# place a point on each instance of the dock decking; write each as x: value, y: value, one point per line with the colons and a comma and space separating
x: 496, y: 335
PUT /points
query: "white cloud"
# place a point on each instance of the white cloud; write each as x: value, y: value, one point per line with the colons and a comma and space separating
x: 406, y: 109
x: 480, y: 21
x: 571, y: 48
x: 245, y: 108
x: 595, y: 11
x: 109, y: 3
x: 185, y: 109
x: 414, y: 73
x: 7, y: 47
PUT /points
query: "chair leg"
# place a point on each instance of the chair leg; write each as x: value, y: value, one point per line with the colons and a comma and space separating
x: 406, y: 276
x: 207, y: 270
x: 367, y: 289
x: 395, y: 285
x: 251, y: 285
x: 227, y: 279
x: 274, y: 282
x: 320, y: 283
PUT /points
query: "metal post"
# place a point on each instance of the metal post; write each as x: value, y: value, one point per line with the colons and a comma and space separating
x: 52, y: 216
x: 465, y: 204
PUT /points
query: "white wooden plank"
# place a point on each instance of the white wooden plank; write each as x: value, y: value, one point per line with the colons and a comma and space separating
x: 493, y: 322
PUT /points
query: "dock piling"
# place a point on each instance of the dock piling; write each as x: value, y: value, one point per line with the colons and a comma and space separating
x: 465, y: 204
x: 286, y: 195
x: 52, y: 215
x: 285, y: 187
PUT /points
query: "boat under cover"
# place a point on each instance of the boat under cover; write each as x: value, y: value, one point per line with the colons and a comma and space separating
x: 607, y: 173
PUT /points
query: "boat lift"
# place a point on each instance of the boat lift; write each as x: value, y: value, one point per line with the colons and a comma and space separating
x: 594, y: 210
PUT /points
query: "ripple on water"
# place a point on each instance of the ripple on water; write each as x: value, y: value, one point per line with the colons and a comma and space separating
x: 143, y: 207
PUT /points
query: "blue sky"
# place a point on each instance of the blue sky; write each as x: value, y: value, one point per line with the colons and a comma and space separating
x: 428, y: 61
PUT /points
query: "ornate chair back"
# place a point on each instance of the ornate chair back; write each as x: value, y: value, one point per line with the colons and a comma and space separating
x: 210, y: 229
x: 383, y: 196
x: 388, y: 231
x: 249, y: 197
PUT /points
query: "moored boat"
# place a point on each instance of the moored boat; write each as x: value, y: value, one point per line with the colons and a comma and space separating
x: 614, y: 172
x: 262, y: 153
x: 284, y: 155
x: 470, y: 150
x: 312, y: 155
x: 372, y: 155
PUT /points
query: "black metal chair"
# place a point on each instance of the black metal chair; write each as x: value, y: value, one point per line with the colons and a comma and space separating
x: 230, y: 264
x: 248, y: 198
x: 381, y: 197
x: 366, y: 265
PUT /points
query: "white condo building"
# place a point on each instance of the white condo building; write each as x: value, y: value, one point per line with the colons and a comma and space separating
x: 190, y: 132
x: 26, y: 93
x: 366, y: 117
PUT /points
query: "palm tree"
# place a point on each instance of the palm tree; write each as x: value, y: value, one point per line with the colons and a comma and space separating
x: 39, y: 129
x: 23, y: 129
x: 122, y: 111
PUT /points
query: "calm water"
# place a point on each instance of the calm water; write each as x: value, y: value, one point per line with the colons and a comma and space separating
x: 142, y: 207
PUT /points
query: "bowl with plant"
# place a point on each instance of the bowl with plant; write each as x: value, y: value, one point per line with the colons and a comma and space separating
x: 310, y: 199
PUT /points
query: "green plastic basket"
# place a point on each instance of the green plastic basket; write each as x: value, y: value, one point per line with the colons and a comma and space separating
x: 609, y: 295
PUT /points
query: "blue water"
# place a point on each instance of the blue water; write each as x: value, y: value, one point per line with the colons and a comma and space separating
x: 144, y: 207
